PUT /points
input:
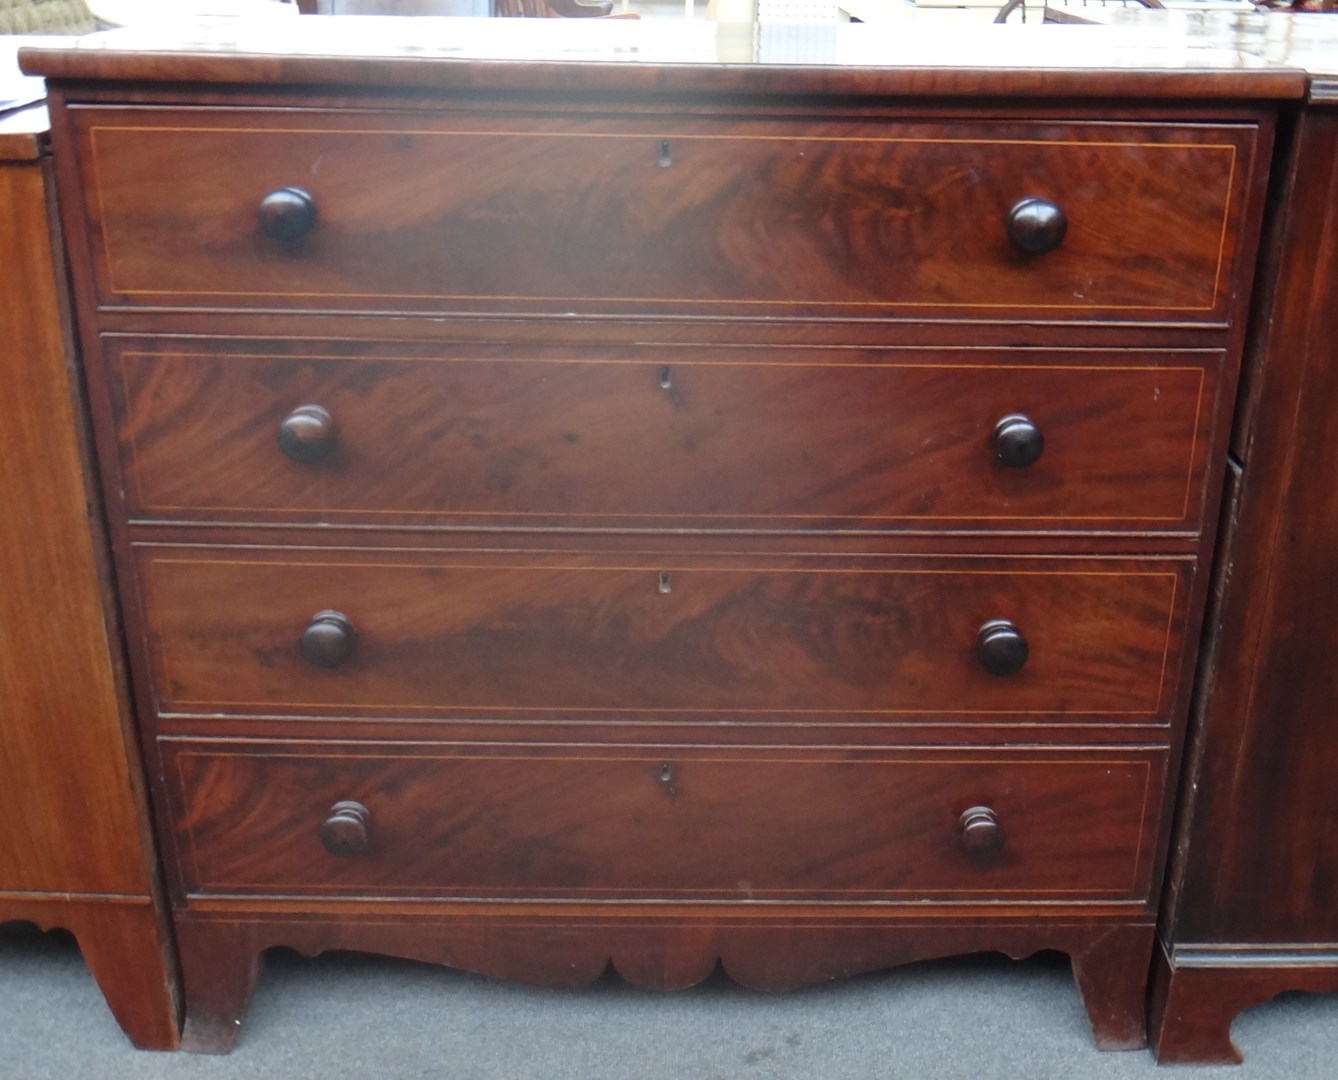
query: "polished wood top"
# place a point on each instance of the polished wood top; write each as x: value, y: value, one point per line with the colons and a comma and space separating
x: 689, y: 57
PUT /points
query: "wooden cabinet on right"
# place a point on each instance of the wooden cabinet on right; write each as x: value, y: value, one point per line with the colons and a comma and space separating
x: 1253, y: 893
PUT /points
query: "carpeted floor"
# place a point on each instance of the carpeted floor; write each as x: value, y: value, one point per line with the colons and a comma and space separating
x: 983, y: 1018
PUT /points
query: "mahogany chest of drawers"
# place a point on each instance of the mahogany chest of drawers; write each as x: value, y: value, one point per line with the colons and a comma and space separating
x: 579, y: 513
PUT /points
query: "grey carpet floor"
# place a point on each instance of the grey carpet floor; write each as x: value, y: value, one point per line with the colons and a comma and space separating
x: 983, y: 1018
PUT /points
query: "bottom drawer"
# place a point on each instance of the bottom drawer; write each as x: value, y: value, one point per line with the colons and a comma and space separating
x: 685, y: 823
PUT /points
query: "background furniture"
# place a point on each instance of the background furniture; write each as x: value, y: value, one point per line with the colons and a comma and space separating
x: 1253, y: 896
x: 75, y: 847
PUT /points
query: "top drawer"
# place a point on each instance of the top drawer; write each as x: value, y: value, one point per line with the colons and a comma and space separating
x: 657, y: 215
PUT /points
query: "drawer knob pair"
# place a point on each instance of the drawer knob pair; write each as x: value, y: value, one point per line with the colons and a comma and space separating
x: 287, y: 214
x: 979, y: 832
x: 308, y: 434
x: 329, y: 638
x: 1037, y: 226
x: 344, y: 832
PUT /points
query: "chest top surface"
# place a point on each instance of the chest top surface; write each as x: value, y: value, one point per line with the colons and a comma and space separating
x: 1161, y: 60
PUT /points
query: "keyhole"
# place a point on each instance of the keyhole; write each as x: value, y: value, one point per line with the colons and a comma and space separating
x: 666, y: 772
x: 666, y: 378
x: 666, y: 157
x: 666, y: 584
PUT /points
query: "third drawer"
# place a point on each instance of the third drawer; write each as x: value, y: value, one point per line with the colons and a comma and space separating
x: 535, y: 635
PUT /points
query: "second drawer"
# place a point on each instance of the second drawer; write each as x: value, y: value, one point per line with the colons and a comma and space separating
x: 818, y: 438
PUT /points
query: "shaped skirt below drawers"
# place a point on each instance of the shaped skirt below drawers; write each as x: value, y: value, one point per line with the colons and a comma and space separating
x: 613, y: 823
x: 532, y: 635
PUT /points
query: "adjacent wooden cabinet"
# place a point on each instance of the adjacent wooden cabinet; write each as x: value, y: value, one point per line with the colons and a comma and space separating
x: 1253, y: 901
x: 75, y: 845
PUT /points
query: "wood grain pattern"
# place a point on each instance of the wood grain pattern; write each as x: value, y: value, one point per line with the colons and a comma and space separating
x: 74, y: 832
x: 1273, y: 699
x: 607, y: 823
x: 56, y: 667
x: 1257, y: 850
x: 733, y: 638
x: 817, y: 438
x: 625, y: 215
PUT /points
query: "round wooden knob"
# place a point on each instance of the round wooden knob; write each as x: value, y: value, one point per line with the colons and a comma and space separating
x: 980, y: 833
x: 328, y: 639
x: 287, y: 214
x: 1017, y: 441
x: 344, y: 832
x: 1001, y: 648
x: 307, y: 434
x: 1037, y: 226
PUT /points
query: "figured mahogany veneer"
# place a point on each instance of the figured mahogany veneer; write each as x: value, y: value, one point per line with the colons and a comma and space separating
x: 749, y: 638
x: 606, y: 214
x: 661, y: 527
x: 815, y: 438
x: 609, y: 823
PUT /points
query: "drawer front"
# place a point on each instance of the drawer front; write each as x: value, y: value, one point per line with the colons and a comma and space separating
x: 748, y: 638
x: 505, y: 822
x: 706, y: 216
x: 709, y: 438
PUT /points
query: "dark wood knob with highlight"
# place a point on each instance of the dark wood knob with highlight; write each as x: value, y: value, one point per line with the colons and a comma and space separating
x: 980, y: 833
x: 328, y: 639
x: 307, y: 434
x: 287, y: 214
x: 1001, y: 648
x: 1037, y: 226
x: 1017, y: 441
x: 344, y: 832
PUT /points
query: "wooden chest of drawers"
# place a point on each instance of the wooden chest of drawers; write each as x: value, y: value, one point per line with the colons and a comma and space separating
x: 660, y: 529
